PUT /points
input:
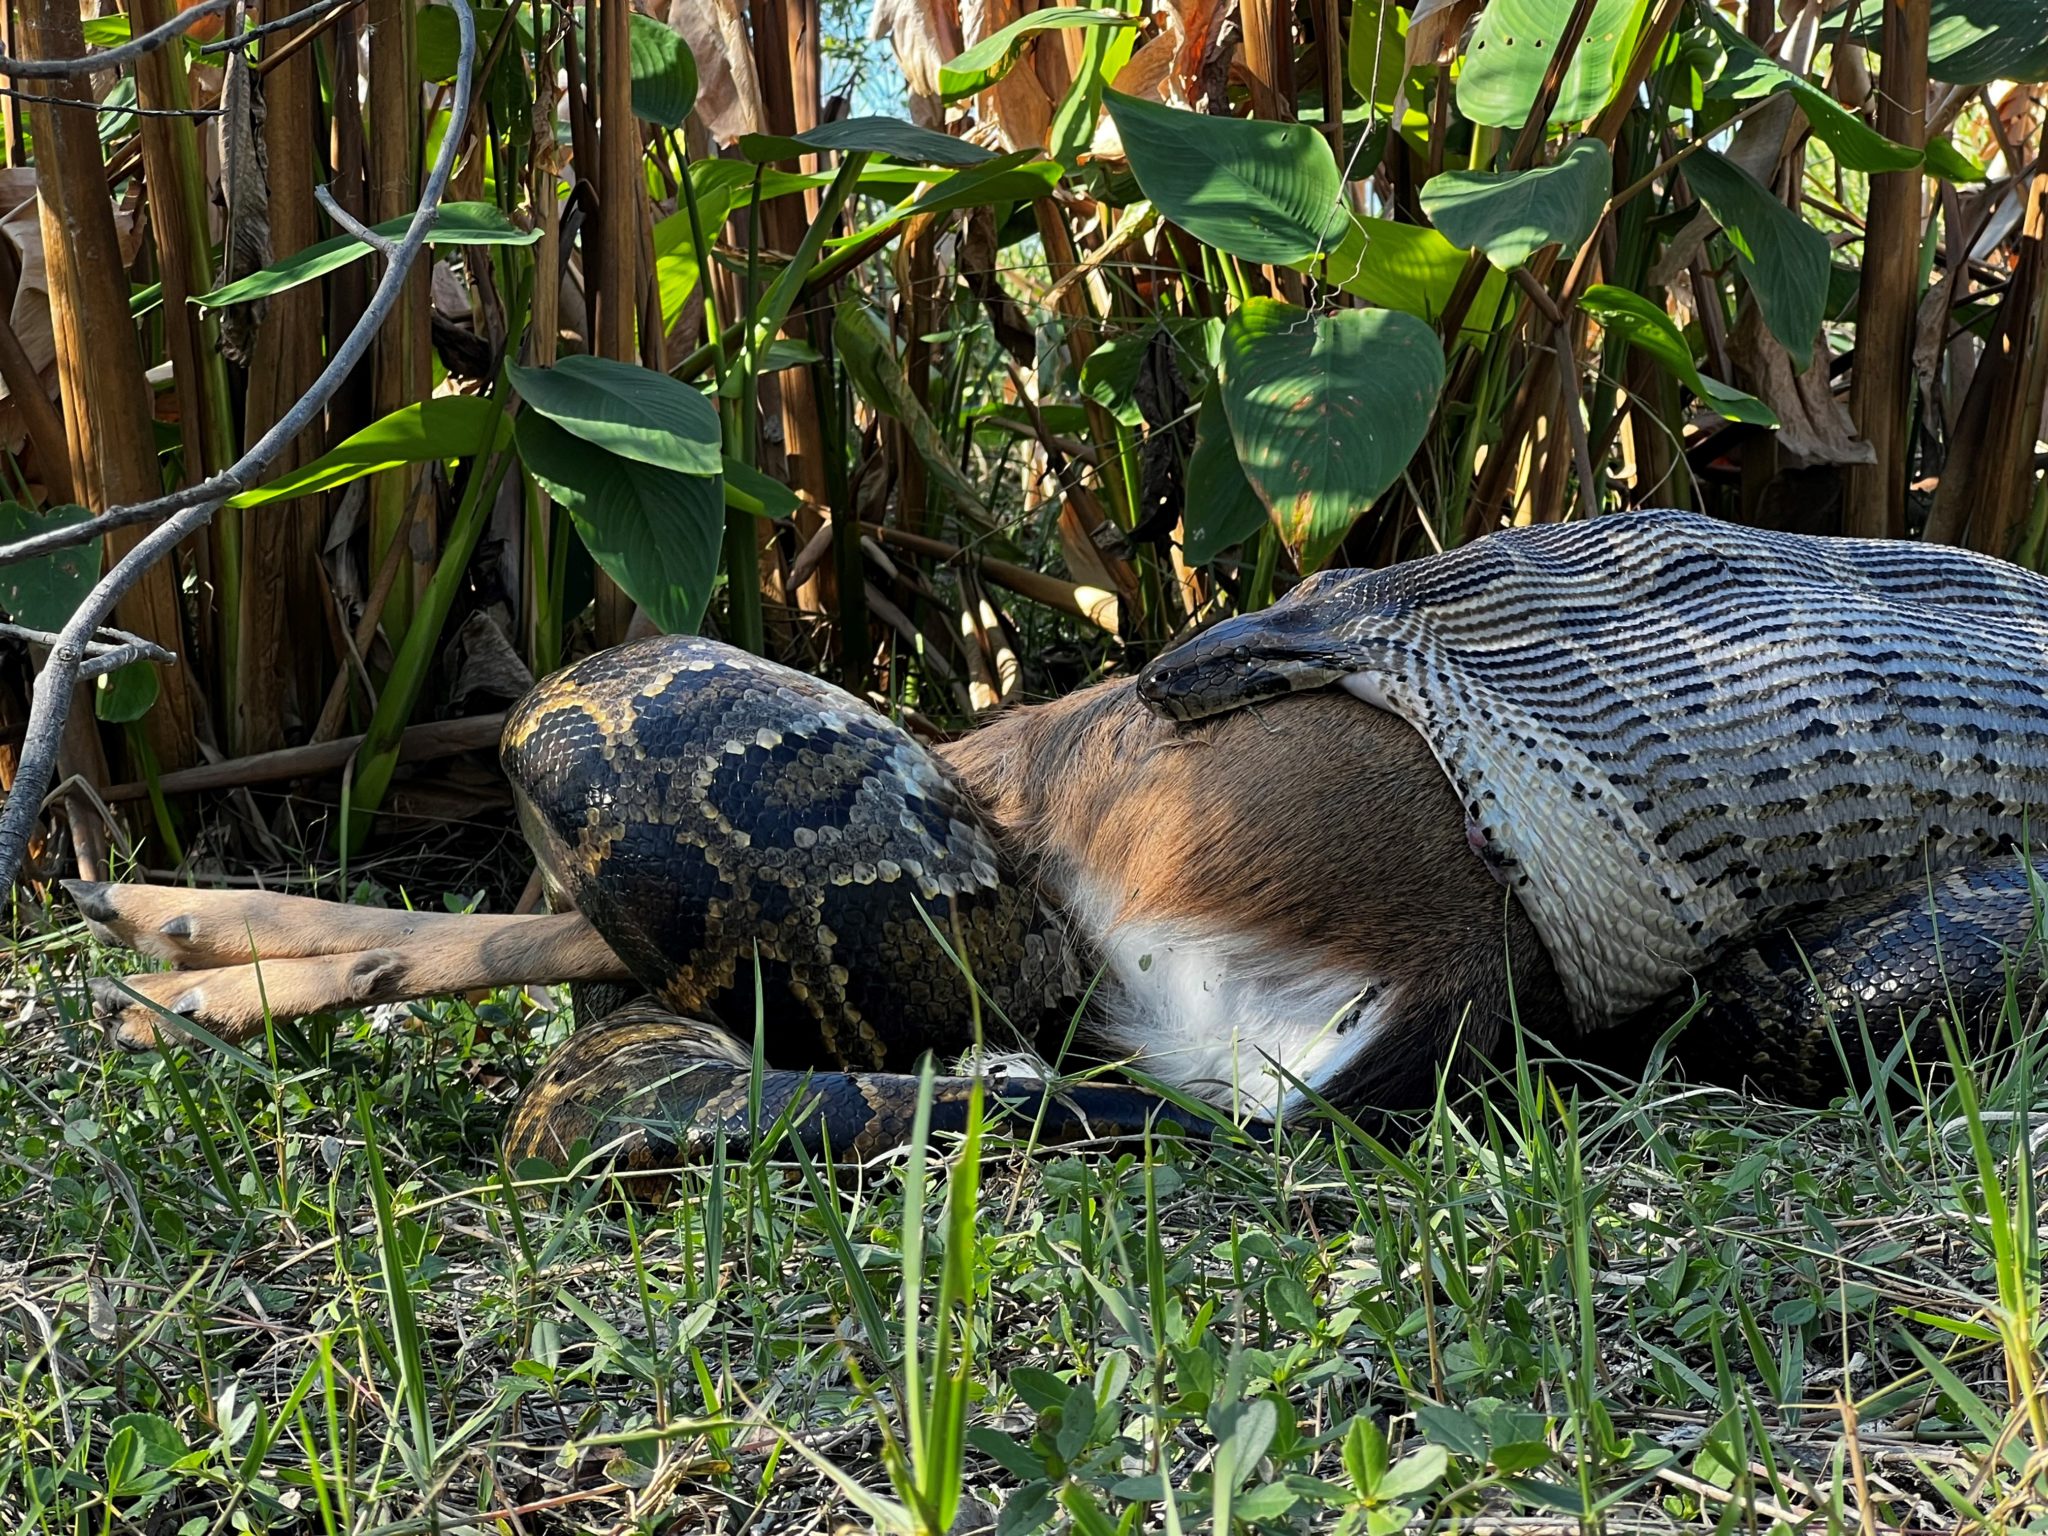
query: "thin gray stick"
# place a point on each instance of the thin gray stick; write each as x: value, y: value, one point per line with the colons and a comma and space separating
x: 248, y: 35
x: 114, y: 58
x: 51, y: 701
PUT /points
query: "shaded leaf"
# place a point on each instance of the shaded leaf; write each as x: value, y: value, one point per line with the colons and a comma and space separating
x: 445, y: 427
x: 45, y: 592
x: 1513, y: 216
x: 457, y: 224
x: 1264, y: 192
x: 127, y: 693
x: 653, y: 531
x: 664, y: 73
x: 628, y: 410
x: 1644, y: 325
x: 889, y: 136
x: 748, y: 490
x: 1512, y: 47
x: 1326, y: 410
x: 996, y: 55
x: 1222, y: 509
x: 1782, y: 257
x: 439, y: 40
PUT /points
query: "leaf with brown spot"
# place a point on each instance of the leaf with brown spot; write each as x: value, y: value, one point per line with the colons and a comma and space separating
x: 1326, y: 410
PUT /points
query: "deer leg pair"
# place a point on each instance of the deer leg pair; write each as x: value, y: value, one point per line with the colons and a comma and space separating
x: 242, y: 954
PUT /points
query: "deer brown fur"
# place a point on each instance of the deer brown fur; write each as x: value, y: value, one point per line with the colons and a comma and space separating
x: 1315, y: 829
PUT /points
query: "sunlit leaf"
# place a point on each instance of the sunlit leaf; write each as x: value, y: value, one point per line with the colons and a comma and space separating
x: 1634, y: 317
x: 889, y: 136
x: 1513, y: 216
x: 1407, y: 267
x: 1326, y: 410
x: 444, y: 427
x: 1265, y: 192
x: 1752, y: 73
x: 995, y: 55
x: 628, y: 410
x: 1512, y: 47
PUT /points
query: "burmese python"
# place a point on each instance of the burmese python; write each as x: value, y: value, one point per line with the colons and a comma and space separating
x: 719, y: 818
x: 1700, y: 755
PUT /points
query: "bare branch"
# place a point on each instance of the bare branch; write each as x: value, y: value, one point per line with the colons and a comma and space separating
x: 134, y: 646
x: 248, y: 35
x: 192, y: 509
x: 114, y: 58
x: 355, y: 226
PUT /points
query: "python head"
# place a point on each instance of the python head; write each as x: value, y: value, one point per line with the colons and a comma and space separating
x: 1290, y: 647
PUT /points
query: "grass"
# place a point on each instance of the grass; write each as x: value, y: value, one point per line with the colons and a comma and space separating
x: 294, y: 1289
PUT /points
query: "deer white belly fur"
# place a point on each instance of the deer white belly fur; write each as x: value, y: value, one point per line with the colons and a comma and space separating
x: 1225, y: 1016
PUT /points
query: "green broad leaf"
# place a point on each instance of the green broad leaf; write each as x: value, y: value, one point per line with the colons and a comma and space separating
x: 1013, y: 178
x: 1974, y: 42
x: 1110, y: 377
x: 1326, y: 410
x: 889, y: 136
x: 1222, y: 509
x: 122, y: 1460
x: 1752, y: 73
x: 439, y: 40
x: 162, y: 1445
x: 1376, y: 55
x: 996, y: 55
x: 1452, y: 1428
x: 664, y: 73
x: 1264, y: 192
x: 628, y: 410
x: 1782, y: 257
x: 45, y: 592
x: 1643, y: 325
x: 1943, y: 159
x: 127, y: 693
x: 1415, y: 1473
x: 653, y: 531
x: 675, y: 265
x: 457, y: 224
x: 445, y: 427
x: 1104, y: 53
x: 1513, y: 216
x: 1407, y: 267
x: 1512, y: 47
x: 748, y: 490
x: 1365, y: 1455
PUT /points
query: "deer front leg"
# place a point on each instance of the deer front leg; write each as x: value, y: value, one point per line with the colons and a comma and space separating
x: 313, y: 956
x: 196, y: 930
